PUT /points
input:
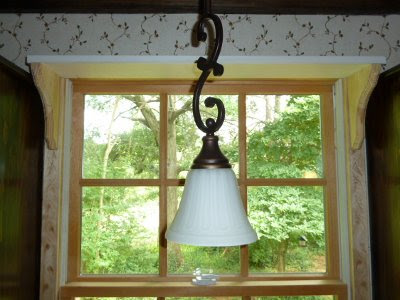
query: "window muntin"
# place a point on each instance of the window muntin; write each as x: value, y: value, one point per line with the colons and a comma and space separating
x: 328, y: 180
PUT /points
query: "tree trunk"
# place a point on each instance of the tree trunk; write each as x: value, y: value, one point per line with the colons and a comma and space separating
x: 277, y: 106
x: 269, y: 112
x: 150, y: 120
x: 172, y: 172
x: 282, y: 251
x: 110, y: 144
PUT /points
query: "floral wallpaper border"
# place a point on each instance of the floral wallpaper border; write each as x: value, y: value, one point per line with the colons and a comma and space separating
x: 160, y: 34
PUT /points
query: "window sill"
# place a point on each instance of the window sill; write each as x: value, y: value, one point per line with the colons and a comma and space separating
x: 186, y: 289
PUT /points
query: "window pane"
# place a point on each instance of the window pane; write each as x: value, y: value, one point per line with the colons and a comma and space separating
x: 121, y: 136
x: 184, y: 139
x: 120, y: 230
x: 293, y: 298
x: 115, y: 298
x: 184, y: 259
x: 284, y: 136
x: 203, y: 298
x: 290, y: 225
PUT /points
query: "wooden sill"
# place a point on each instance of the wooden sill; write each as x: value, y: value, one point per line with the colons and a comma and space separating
x: 186, y: 289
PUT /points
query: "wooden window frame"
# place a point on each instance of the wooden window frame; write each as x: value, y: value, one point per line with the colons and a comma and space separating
x: 304, y: 284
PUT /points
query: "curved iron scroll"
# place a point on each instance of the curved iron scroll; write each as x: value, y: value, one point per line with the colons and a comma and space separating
x: 206, y: 66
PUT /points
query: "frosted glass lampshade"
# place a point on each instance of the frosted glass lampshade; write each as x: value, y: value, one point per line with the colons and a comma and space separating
x: 211, y: 212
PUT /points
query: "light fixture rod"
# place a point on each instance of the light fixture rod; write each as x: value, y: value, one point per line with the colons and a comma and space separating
x: 206, y: 66
x: 211, y: 212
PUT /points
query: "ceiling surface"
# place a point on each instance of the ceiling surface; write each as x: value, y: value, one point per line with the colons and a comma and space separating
x: 354, y: 7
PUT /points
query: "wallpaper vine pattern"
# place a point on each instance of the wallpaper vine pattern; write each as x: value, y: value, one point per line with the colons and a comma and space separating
x: 171, y: 34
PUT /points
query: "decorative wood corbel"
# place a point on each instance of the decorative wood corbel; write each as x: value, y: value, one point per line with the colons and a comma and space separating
x: 51, y: 88
x: 359, y: 87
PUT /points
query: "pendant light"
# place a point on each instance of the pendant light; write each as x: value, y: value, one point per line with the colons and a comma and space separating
x: 211, y: 212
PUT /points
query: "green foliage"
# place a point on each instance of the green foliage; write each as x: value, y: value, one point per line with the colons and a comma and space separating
x: 116, y: 240
x: 135, y: 155
x: 281, y: 213
x: 291, y: 144
x: 287, y: 147
x: 221, y: 260
x: 294, y: 298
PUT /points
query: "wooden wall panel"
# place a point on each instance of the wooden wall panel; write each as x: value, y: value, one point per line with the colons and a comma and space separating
x: 192, y: 6
x: 21, y: 159
x: 383, y: 146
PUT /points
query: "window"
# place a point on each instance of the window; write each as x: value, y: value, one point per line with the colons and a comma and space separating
x: 133, y: 143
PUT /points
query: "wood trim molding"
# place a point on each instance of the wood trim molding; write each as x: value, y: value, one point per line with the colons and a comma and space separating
x: 227, y: 288
x: 51, y: 89
x: 359, y: 88
x: 49, y: 273
x: 263, y: 7
x: 359, y: 210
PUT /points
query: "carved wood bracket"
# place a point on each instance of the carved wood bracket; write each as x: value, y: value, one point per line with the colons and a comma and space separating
x: 51, y: 88
x: 359, y: 88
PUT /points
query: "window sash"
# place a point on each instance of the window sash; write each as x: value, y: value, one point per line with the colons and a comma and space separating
x: 241, y: 88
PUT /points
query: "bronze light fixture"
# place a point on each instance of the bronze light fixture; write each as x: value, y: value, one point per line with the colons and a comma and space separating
x: 211, y: 212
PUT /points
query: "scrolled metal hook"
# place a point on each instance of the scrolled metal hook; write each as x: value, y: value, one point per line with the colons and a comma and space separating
x: 206, y: 66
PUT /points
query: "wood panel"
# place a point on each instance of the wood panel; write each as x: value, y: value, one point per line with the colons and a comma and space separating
x: 21, y: 159
x: 52, y: 90
x: 359, y: 88
x: 170, y: 289
x: 192, y: 6
x: 361, y: 254
x: 164, y: 284
x: 383, y: 144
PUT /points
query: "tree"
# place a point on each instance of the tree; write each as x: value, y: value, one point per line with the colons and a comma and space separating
x: 287, y: 146
x: 284, y: 143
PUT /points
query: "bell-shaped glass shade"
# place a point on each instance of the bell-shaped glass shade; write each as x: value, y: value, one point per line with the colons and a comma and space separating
x: 211, y: 212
